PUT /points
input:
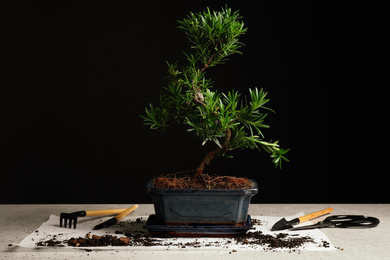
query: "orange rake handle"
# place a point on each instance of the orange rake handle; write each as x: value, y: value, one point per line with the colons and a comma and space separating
x: 103, y: 212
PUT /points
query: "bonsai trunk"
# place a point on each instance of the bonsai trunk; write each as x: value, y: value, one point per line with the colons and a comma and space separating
x: 211, y: 155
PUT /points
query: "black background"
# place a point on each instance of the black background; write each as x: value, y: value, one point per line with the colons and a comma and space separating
x: 77, y: 75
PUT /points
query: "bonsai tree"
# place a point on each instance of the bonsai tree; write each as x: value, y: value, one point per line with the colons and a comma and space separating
x: 228, y: 120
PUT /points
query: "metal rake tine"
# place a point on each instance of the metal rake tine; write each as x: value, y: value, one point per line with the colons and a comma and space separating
x: 75, y: 222
x: 61, y: 219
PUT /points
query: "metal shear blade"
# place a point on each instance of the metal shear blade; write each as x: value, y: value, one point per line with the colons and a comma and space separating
x: 343, y: 221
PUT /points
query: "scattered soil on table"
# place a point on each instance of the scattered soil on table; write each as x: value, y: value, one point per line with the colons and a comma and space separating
x: 110, y: 240
x: 51, y: 242
x: 94, y: 240
x: 281, y: 240
x: 204, y: 182
x: 257, y: 222
x: 253, y: 238
x: 269, y: 242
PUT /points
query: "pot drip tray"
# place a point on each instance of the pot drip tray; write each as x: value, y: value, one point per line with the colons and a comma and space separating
x: 156, y: 228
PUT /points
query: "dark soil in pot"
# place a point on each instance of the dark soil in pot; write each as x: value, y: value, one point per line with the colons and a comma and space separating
x: 205, y: 181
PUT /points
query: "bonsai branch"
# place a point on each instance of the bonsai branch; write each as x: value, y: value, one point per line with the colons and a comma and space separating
x: 198, y: 96
x: 207, y: 64
x: 213, y: 154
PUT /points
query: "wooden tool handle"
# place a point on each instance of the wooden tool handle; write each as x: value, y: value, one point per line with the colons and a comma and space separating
x: 314, y: 215
x: 103, y: 212
x: 126, y: 212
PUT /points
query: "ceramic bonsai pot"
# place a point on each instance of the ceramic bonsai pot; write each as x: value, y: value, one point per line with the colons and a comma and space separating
x: 201, y: 206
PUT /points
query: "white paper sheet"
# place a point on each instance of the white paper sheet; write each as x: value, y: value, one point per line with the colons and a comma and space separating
x: 51, y: 230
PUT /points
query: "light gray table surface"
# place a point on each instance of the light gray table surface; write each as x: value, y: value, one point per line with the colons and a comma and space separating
x: 17, y: 221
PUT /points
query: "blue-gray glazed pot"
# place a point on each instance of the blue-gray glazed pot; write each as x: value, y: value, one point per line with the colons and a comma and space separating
x: 202, y: 206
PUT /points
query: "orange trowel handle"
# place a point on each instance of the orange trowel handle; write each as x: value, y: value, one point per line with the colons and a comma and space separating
x: 315, y: 215
x: 126, y: 212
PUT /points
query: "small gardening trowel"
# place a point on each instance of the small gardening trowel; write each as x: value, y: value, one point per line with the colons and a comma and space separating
x: 284, y: 224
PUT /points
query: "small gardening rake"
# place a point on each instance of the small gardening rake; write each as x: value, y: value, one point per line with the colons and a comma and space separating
x: 72, y: 217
